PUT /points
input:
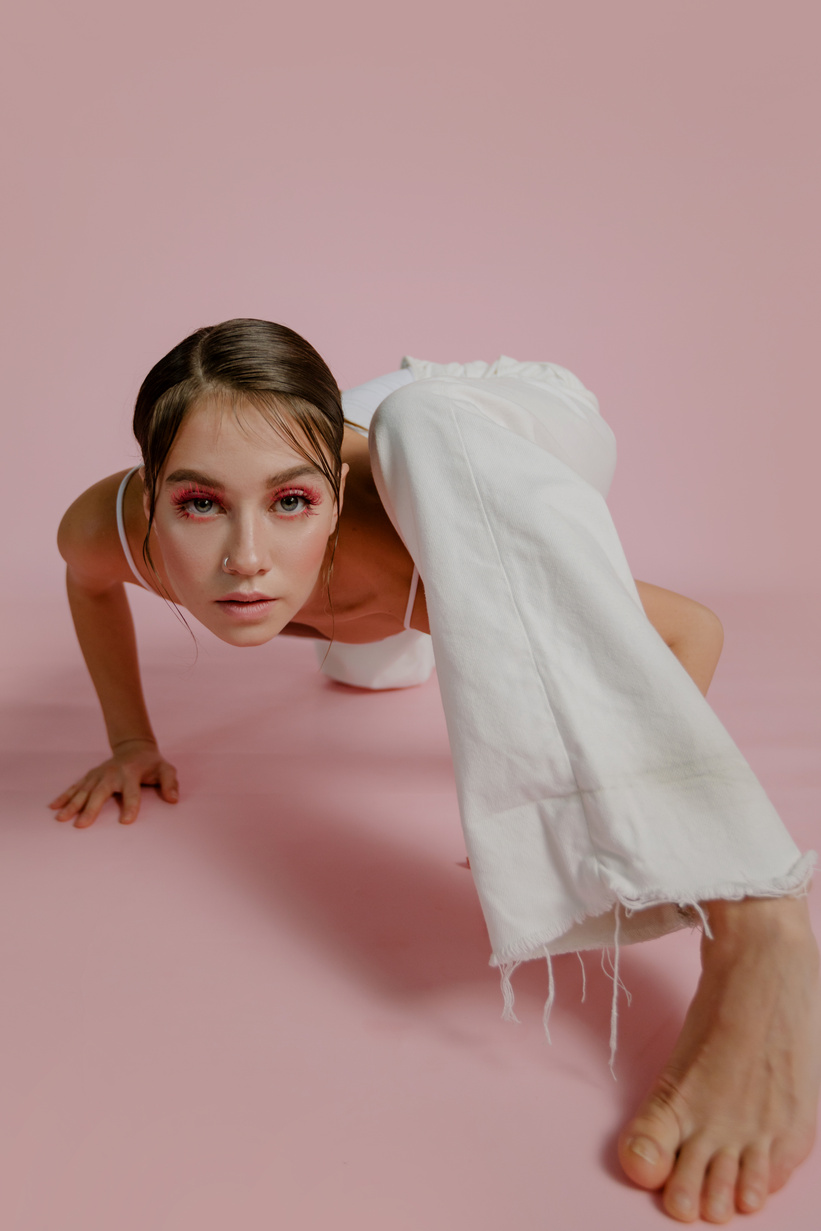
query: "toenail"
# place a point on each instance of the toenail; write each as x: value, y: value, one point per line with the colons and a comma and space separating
x: 645, y: 1149
x: 717, y: 1207
x: 750, y: 1197
x: 681, y: 1203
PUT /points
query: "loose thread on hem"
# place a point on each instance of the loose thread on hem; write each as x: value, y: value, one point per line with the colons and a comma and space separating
x: 699, y: 909
x: 794, y: 885
x: 614, y: 1008
x: 506, y: 972
x: 551, y: 996
x: 609, y: 970
x: 584, y: 974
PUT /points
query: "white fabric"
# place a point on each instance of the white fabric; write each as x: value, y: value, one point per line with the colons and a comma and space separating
x: 359, y: 403
x: 406, y: 659
x: 400, y: 661
x: 403, y: 661
x: 563, y: 384
x: 590, y: 770
x: 414, y: 586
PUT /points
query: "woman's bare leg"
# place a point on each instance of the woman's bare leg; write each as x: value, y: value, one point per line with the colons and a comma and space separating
x: 734, y: 1111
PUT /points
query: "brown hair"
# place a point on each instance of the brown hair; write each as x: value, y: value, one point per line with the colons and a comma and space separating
x: 259, y: 362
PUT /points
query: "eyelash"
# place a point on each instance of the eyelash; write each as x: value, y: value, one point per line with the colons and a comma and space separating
x: 186, y: 497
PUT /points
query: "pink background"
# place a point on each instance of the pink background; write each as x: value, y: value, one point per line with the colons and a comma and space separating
x: 631, y: 190
x: 271, y: 1007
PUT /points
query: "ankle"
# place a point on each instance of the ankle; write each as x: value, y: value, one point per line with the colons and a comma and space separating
x: 759, y: 919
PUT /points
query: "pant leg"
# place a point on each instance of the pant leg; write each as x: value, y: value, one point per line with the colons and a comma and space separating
x: 590, y: 770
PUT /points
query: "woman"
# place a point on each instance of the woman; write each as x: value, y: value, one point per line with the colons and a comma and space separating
x: 601, y: 799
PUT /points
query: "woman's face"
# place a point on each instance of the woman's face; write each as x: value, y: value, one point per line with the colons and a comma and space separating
x: 243, y: 523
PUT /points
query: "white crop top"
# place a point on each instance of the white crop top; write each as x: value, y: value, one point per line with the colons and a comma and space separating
x: 359, y: 405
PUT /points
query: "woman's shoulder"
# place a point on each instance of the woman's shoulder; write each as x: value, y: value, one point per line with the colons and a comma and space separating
x: 88, y: 538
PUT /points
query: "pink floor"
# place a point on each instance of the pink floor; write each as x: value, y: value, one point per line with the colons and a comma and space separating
x: 270, y: 1006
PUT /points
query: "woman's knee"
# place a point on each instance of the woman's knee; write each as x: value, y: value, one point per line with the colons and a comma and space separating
x: 407, y: 412
x: 413, y: 399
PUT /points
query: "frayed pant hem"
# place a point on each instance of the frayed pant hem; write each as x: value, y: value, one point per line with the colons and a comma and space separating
x: 631, y: 919
x: 671, y: 904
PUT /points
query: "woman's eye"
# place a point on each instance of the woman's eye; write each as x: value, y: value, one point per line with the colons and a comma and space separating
x: 291, y: 503
x: 196, y: 506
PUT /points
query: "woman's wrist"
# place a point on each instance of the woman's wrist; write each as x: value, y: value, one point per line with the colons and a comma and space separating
x: 133, y: 741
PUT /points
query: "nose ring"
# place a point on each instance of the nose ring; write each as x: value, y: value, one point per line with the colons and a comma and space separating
x: 225, y: 565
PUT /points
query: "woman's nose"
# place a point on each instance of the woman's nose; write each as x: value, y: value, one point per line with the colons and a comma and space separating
x: 247, y: 554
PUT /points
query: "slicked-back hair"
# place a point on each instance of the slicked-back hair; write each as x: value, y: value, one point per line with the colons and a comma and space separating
x: 245, y: 360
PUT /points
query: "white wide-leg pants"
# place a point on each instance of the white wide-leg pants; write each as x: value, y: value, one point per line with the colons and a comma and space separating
x: 590, y: 770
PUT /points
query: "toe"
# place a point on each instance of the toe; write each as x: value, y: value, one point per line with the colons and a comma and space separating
x: 648, y: 1144
x: 682, y: 1192
x: 643, y: 1160
x: 718, y: 1196
x: 753, y: 1180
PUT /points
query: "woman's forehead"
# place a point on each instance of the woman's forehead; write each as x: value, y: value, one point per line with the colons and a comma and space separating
x: 238, y: 444
x: 215, y: 423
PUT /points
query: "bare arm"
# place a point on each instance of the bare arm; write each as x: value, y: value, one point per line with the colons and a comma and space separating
x: 692, y: 631
x: 105, y: 630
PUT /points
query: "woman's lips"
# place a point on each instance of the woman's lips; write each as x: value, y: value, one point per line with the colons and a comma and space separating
x: 246, y: 606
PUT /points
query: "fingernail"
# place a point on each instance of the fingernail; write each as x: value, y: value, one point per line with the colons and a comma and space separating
x: 645, y: 1149
x: 751, y: 1197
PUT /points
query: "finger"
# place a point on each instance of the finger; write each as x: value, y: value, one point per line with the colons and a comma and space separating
x: 75, y: 805
x: 61, y: 800
x: 93, y: 805
x: 130, y: 805
x: 169, y: 789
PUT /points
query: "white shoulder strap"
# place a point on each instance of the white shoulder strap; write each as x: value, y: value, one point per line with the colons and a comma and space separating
x: 121, y: 529
x: 414, y: 586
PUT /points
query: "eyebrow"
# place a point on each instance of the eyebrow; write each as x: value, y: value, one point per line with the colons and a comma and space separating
x: 284, y: 476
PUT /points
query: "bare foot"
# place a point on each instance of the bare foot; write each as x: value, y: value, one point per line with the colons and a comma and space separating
x: 734, y: 1112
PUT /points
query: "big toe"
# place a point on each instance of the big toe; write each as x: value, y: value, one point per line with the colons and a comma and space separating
x: 648, y: 1145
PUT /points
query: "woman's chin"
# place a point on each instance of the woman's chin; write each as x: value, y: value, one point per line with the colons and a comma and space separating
x: 243, y: 634
x: 248, y: 637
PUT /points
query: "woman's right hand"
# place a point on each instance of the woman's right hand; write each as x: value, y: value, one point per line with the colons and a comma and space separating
x: 134, y: 763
